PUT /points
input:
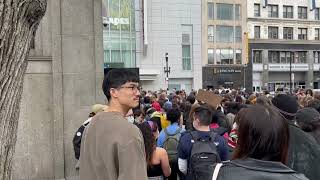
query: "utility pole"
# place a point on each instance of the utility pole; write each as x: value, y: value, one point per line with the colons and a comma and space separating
x: 167, y: 69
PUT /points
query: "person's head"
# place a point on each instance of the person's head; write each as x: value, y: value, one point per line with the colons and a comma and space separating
x: 121, y: 87
x: 138, y: 115
x: 286, y: 104
x: 154, y: 127
x: 173, y: 115
x: 315, y: 103
x: 147, y: 129
x: 308, y: 119
x: 97, y: 108
x: 147, y: 100
x: 239, y: 99
x: 202, y: 116
x: 191, y: 99
x: 167, y: 106
x: 309, y: 92
x: 149, y: 112
x: 263, y: 100
x: 263, y: 134
x: 130, y: 116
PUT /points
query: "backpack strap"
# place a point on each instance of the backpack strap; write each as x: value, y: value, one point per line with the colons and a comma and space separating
x: 216, y: 171
x: 213, y: 135
x: 194, y: 136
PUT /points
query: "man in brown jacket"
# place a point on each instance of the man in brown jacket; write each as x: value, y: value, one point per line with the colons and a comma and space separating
x: 113, y: 148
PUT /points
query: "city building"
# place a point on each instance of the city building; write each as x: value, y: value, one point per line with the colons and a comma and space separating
x: 224, y: 44
x: 140, y: 33
x: 284, y: 37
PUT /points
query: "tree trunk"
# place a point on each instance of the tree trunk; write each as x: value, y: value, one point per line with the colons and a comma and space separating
x: 19, y: 20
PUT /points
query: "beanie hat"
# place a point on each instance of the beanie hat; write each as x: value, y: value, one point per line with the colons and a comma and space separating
x: 156, y: 106
x: 167, y: 105
x: 286, y: 104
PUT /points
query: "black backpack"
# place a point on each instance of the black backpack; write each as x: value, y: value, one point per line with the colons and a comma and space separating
x: 203, y: 156
x: 77, y: 139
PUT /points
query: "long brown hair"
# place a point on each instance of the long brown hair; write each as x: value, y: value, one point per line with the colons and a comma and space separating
x: 263, y: 134
x: 147, y: 128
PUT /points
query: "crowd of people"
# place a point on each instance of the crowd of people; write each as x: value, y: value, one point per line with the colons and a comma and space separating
x: 159, y: 135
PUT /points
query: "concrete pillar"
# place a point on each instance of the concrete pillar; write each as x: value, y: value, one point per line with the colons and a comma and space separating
x: 82, y: 68
x: 309, y: 74
x: 58, y: 125
x: 265, y: 71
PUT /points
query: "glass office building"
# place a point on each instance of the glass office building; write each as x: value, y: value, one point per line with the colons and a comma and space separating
x: 119, y: 37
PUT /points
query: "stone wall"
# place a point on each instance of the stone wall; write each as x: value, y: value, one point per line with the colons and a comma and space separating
x: 64, y: 77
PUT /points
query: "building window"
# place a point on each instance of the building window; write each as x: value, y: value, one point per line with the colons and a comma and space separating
x: 186, y: 52
x: 302, y: 33
x: 238, y: 56
x: 273, y: 11
x: 287, y: 33
x: 237, y: 11
x: 302, y: 12
x: 256, y: 10
x: 301, y: 57
x: 186, y: 57
x: 316, y: 55
x: 273, y: 32
x: 119, y: 34
x: 224, y: 34
x: 287, y: 11
x: 225, y: 11
x: 224, y: 56
x: 317, y: 34
x: 317, y: 14
x: 210, y: 33
x: 257, y: 32
x: 238, y: 34
x: 210, y: 56
x: 210, y: 11
x: 286, y: 57
x: 273, y: 57
x: 257, y: 56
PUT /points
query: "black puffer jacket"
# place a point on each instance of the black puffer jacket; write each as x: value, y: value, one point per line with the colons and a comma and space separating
x: 253, y: 169
x: 304, y: 153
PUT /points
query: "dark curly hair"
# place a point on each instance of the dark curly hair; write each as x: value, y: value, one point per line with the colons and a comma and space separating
x: 149, y: 139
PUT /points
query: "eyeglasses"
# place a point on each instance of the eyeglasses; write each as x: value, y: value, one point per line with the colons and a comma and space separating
x: 134, y: 88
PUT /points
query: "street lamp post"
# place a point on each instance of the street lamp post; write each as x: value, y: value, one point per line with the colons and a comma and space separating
x: 167, y: 70
x: 290, y: 84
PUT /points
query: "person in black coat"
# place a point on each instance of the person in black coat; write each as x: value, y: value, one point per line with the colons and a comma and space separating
x: 262, y: 148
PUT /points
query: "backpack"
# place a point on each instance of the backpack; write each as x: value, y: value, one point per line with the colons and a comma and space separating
x: 171, y: 144
x: 203, y: 156
x: 77, y: 139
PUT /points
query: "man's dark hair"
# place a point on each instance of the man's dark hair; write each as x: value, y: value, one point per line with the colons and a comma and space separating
x: 263, y: 134
x: 191, y: 99
x: 173, y: 115
x: 204, y: 114
x: 116, y: 78
x: 147, y: 100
